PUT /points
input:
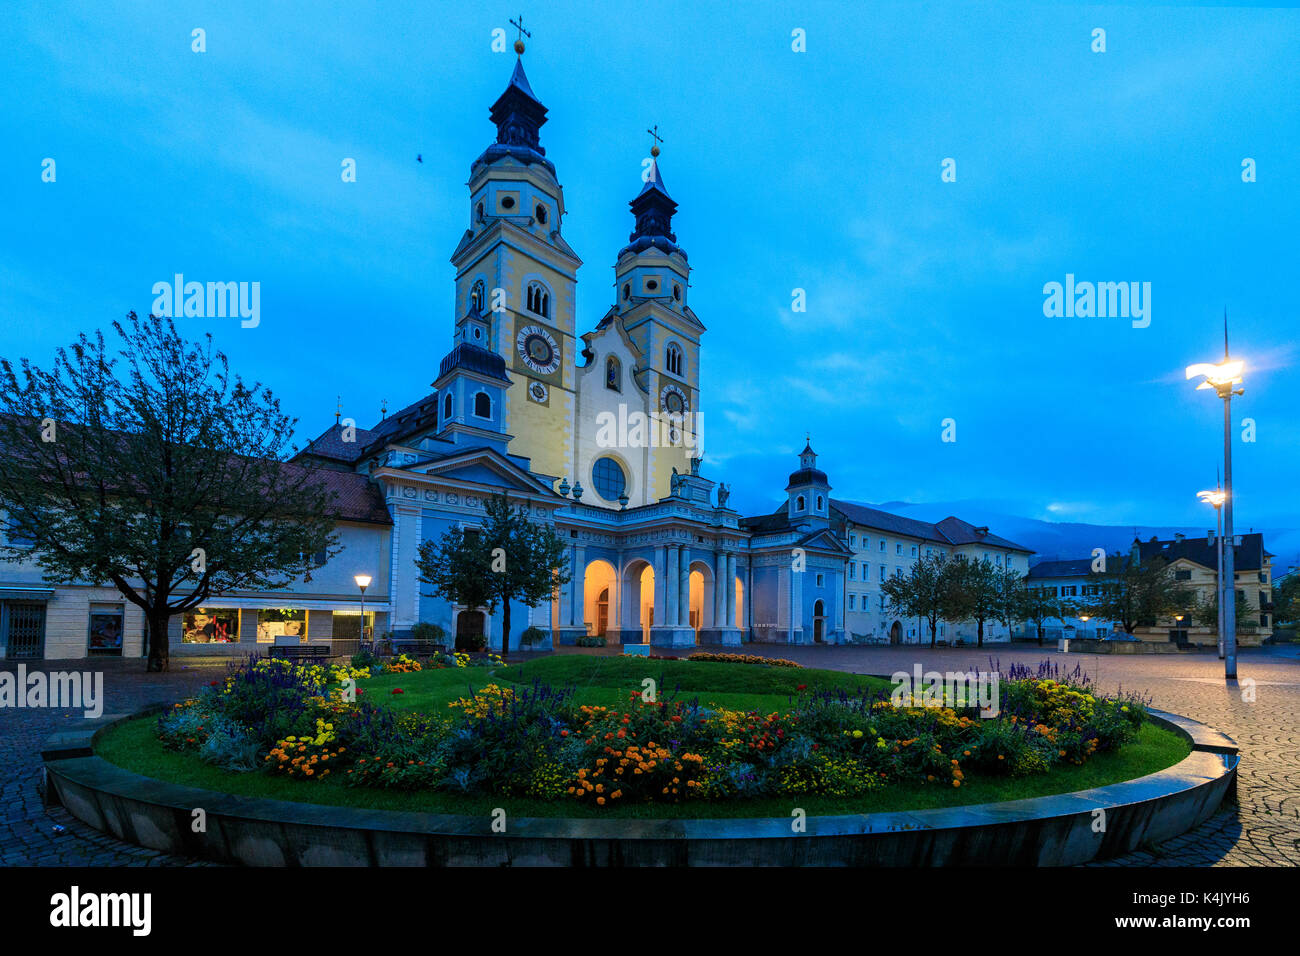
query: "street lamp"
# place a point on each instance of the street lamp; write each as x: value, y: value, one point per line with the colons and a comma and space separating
x: 1084, y: 618
x: 363, y: 582
x: 1217, y: 498
x: 1223, y: 378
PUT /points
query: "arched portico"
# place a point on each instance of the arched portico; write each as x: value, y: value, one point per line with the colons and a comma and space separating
x: 600, y: 593
x: 637, y: 603
x: 702, y: 582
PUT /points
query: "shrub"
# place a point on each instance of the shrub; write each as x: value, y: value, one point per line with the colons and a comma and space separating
x: 429, y: 633
x: 532, y: 635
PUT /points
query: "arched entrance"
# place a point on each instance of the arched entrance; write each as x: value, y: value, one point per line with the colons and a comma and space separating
x: 819, y: 622
x: 638, y: 599
x: 469, y: 631
x: 739, y: 597
x: 600, y: 593
x: 896, y: 633
x: 702, y: 612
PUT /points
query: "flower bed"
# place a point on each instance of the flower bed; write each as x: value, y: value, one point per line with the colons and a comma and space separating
x: 538, y: 741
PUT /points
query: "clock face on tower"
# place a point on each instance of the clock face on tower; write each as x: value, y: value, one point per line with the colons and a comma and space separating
x: 672, y: 400
x: 538, y: 350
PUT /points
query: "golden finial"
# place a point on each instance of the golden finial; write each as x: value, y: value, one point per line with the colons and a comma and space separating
x: 519, y: 41
x: 654, y: 133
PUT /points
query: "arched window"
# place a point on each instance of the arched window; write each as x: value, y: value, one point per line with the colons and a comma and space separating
x: 798, y: 503
x: 446, y: 407
x: 673, y: 359
x: 478, y: 213
x: 540, y: 214
x: 477, y: 296
x: 627, y: 291
x: 538, y: 300
x: 483, y: 405
x: 614, y: 374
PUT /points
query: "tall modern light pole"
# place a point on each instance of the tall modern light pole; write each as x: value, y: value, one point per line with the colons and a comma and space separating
x: 1217, y: 498
x: 1224, y: 378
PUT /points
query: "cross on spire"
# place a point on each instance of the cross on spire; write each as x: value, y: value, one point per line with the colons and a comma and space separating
x: 519, y: 41
x: 654, y: 134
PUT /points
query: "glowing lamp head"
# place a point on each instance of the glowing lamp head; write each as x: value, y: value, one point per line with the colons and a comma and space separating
x: 1223, y: 375
x: 1215, y: 497
x: 363, y: 581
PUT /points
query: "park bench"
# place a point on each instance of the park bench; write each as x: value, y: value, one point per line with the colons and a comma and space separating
x: 301, y: 653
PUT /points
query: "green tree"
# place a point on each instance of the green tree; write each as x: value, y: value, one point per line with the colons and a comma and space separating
x: 1039, y: 606
x: 1206, y: 612
x: 1011, y: 597
x: 511, y: 558
x: 156, y: 471
x: 1286, y: 600
x: 920, y: 592
x: 973, y: 592
x: 1137, y: 593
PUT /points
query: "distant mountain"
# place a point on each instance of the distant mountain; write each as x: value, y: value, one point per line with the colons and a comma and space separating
x: 1053, y: 540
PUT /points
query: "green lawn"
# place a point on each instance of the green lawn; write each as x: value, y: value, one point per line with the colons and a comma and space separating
x: 608, y: 680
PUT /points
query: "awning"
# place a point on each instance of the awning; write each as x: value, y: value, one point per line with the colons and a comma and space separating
x: 25, y: 594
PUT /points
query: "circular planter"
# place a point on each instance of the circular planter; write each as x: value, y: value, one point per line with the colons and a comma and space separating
x: 1061, y: 830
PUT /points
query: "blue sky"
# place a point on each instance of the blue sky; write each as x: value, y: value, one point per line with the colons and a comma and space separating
x: 816, y: 170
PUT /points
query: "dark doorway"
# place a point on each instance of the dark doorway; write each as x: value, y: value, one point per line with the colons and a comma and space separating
x: 24, y: 631
x: 469, y: 631
x: 896, y: 634
x: 602, y: 613
x: 819, y: 622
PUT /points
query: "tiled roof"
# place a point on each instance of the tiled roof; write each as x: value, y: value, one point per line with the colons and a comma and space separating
x: 884, y: 521
x: 1075, y: 567
x: 355, y: 497
x: 1247, y: 556
x: 330, y: 444
x: 473, y: 358
x: 963, y: 532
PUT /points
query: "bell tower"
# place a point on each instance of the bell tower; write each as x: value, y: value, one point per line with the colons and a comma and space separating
x: 516, y: 276
x: 651, y: 282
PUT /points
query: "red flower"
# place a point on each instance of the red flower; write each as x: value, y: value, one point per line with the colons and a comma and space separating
x: 398, y: 690
x: 802, y: 687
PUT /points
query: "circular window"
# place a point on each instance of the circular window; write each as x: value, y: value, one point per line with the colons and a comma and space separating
x: 652, y: 284
x: 540, y: 213
x: 607, y: 475
x: 507, y: 202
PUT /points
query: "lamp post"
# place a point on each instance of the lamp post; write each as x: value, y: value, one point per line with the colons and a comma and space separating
x: 363, y: 582
x: 1216, y: 498
x: 1178, y: 627
x: 1223, y: 378
x: 1084, y: 618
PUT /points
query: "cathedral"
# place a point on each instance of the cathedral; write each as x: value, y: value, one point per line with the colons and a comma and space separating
x: 595, y: 433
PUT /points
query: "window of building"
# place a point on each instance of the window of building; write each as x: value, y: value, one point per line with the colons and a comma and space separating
x: 852, y: 601
x: 282, y: 625
x: 884, y: 572
x: 16, y: 537
x: 446, y: 407
x: 210, y: 625
x: 627, y: 291
x: 853, y: 570
x: 478, y: 212
x: 1070, y: 591
x: 540, y: 214
x: 652, y: 285
x: 677, y: 292
x: 673, y: 358
x: 347, y: 626
x: 319, y: 558
x: 507, y: 202
x: 613, y: 374
x: 1182, y: 575
x: 798, y: 503
x: 538, y: 300
x: 898, y: 548
x: 478, y: 296
x: 821, y: 580
x: 608, y: 478
x: 820, y: 503
x: 853, y: 541
x: 882, y: 545
x: 913, y: 550
x: 106, y: 628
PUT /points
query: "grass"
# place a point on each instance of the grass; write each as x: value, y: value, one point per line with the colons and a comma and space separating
x: 608, y: 680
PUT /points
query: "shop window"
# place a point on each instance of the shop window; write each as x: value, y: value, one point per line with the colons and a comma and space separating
x: 106, y: 628
x: 210, y: 625
x: 281, y: 626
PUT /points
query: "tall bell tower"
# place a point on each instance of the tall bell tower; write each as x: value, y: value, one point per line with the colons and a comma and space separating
x: 516, y: 277
x: 651, y: 282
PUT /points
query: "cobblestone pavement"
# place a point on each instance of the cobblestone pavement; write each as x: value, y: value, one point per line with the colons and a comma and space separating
x: 1261, y: 829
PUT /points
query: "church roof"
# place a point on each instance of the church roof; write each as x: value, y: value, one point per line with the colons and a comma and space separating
x: 807, y: 476
x: 474, y: 358
x: 519, y: 116
x: 653, y: 209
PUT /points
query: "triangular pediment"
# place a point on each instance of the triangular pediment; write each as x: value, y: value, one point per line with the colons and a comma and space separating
x: 485, y: 467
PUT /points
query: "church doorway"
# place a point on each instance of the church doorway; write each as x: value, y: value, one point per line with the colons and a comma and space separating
x: 602, y: 613
x: 469, y: 631
x: 600, y: 590
x: 819, y: 622
x: 896, y: 633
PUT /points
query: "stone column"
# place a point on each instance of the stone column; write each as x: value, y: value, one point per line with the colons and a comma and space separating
x: 684, y: 587
x: 579, y: 584
x: 719, y: 572
x: 669, y: 615
x: 660, y: 601
x: 729, y: 590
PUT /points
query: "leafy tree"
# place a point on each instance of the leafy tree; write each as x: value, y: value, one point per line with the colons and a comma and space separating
x: 921, y: 592
x: 1011, y: 597
x: 1039, y: 606
x: 1137, y: 593
x: 1286, y: 600
x: 156, y: 471
x: 511, y: 558
x: 973, y: 592
x: 1206, y: 612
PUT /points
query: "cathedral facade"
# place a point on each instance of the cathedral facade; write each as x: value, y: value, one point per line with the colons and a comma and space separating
x: 592, y: 427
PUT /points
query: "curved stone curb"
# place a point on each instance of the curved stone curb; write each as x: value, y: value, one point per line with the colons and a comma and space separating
x: 1040, y: 831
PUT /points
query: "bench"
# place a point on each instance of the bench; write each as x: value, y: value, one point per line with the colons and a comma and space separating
x: 297, y: 653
